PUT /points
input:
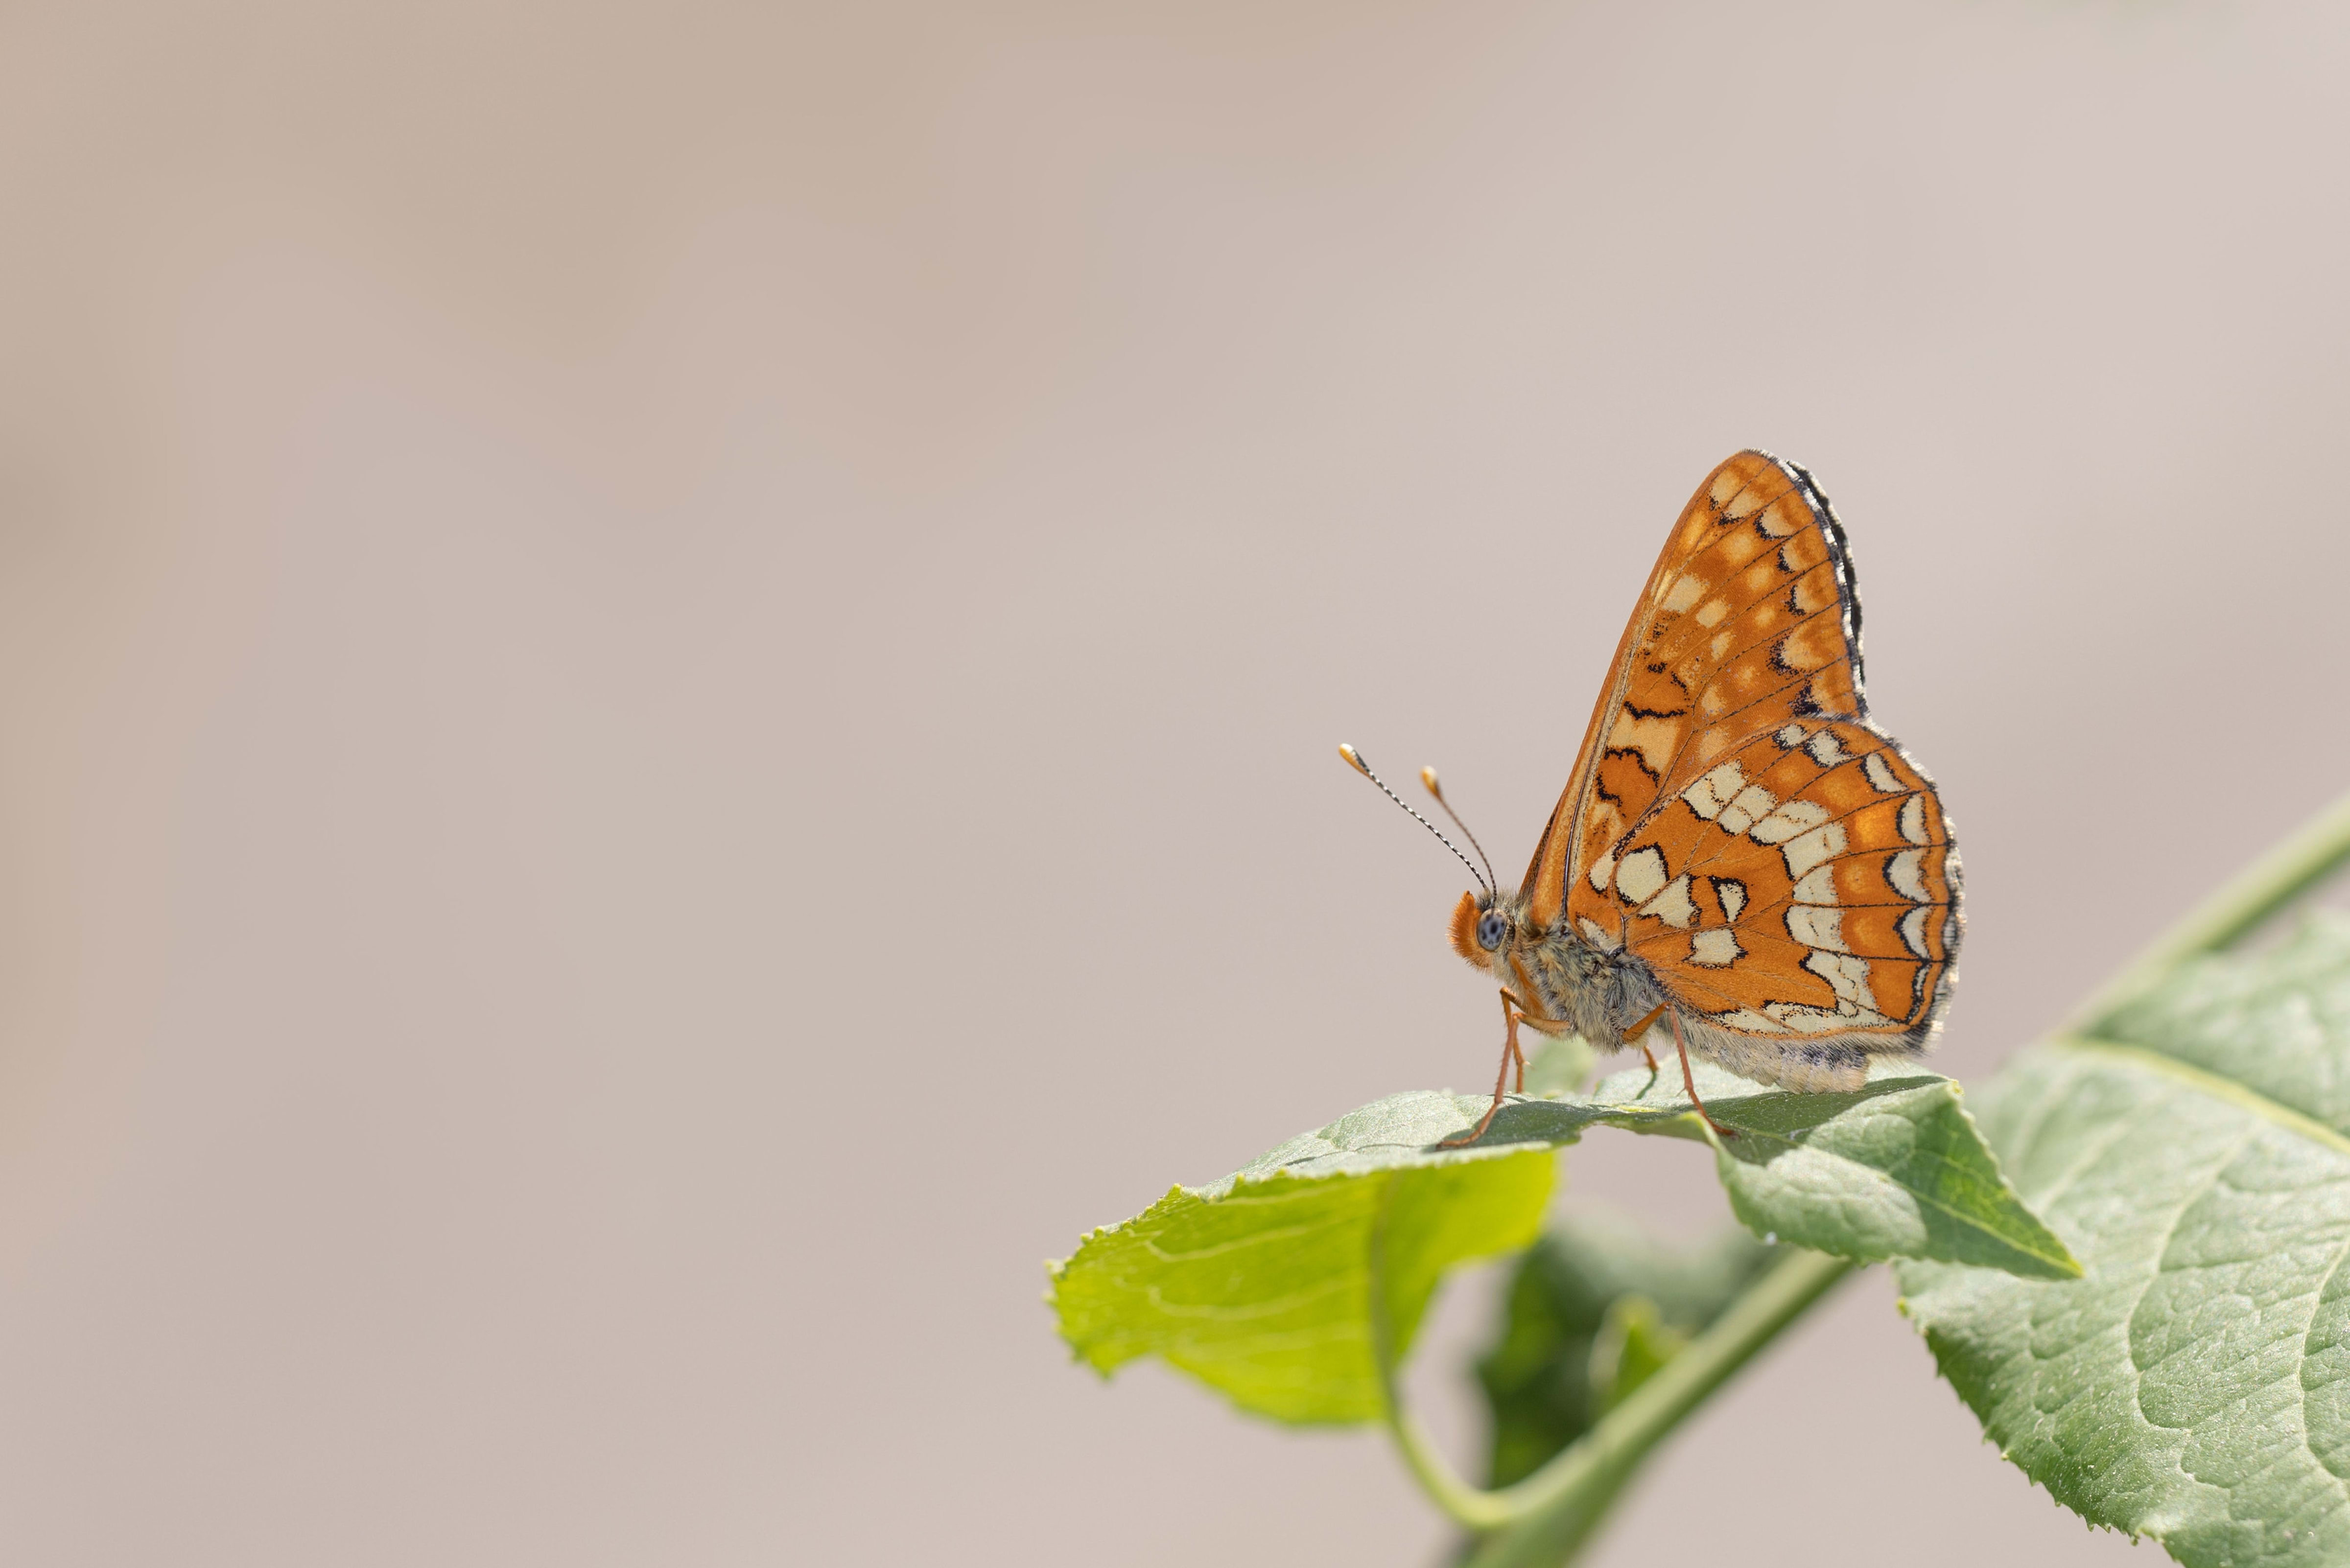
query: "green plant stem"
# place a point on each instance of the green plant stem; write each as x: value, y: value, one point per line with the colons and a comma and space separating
x: 1544, y: 1518
x: 1467, y: 1505
x: 1472, y: 1506
x: 2240, y: 907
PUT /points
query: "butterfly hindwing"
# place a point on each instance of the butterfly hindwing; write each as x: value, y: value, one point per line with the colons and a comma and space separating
x: 1804, y: 884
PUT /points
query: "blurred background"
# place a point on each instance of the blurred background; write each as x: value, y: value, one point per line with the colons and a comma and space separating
x: 671, y: 676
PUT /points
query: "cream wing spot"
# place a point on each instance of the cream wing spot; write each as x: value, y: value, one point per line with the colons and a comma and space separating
x: 1603, y: 870
x: 1808, y: 1020
x: 1818, y: 887
x: 1786, y: 518
x: 1913, y: 820
x: 1733, y: 894
x: 1594, y: 935
x: 1747, y: 807
x: 1881, y: 776
x: 1737, y: 547
x: 1716, y: 948
x: 1806, y: 850
x: 1848, y: 976
x: 1715, y: 790
x: 1907, y: 872
x: 1713, y: 612
x: 1913, y: 932
x: 1655, y: 738
x: 1790, y: 736
x: 1640, y: 876
x: 1787, y: 821
x: 1817, y: 927
x: 1673, y: 906
x: 1826, y: 750
x: 1685, y: 592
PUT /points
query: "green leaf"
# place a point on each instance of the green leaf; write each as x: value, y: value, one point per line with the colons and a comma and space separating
x: 1633, y: 1346
x: 1261, y: 1284
x: 1593, y: 1308
x: 2195, y: 1385
x: 1894, y: 1169
x: 1561, y: 1064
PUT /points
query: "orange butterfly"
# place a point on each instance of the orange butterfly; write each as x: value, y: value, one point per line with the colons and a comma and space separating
x: 1739, y: 852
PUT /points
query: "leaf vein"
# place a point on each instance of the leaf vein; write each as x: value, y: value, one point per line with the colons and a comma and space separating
x: 2171, y: 1233
x: 2244, y: 1097
x: 2301, y: 1371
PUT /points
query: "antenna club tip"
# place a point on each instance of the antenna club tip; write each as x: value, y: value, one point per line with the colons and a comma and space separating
x: 1354, y: 758
x: 1428, y: 777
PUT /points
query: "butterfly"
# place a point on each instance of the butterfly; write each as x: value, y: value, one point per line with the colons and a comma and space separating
x: 1740, y: 856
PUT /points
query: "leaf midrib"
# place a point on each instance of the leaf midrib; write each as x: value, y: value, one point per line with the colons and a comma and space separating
x: 2229, y: 1090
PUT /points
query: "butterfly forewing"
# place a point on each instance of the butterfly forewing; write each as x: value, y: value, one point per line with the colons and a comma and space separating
x: 1748, y: 619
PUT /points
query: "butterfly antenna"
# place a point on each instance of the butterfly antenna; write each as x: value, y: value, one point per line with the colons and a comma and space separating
x: 1428, y: 777
x: 1354, y: 761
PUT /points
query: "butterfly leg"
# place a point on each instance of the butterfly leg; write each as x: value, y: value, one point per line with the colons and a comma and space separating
x: 1689, y: 1081
x: 1638, y: 1035
x: 1510, y: 1053
x: 1510, y: 1017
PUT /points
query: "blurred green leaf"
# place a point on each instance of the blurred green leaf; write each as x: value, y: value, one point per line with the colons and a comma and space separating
x: 2195, y: 1385
x: 1595, y: 1307
x: 1633, y: 1342
x: 1560, y: 1067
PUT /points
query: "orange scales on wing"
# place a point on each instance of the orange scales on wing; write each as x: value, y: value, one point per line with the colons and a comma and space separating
x: 1741, y: 665
x: 1740, y: 851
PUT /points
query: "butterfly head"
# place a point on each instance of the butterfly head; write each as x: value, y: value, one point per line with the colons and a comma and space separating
x: 1484, y: 926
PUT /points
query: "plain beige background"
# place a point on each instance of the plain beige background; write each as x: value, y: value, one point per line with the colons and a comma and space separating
x: 669, y: 678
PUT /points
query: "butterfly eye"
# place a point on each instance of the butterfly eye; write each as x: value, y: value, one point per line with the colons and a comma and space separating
x: 1490, y: 927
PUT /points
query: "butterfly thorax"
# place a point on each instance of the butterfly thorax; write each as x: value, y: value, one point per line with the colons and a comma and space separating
x: 1601, y: 991
x: 1553, y: 973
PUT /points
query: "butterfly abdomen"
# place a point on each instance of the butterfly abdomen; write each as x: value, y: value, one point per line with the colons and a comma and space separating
x: 1813, y: 1067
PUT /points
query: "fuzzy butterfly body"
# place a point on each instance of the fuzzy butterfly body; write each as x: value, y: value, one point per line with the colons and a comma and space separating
x: 1739, y: 852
